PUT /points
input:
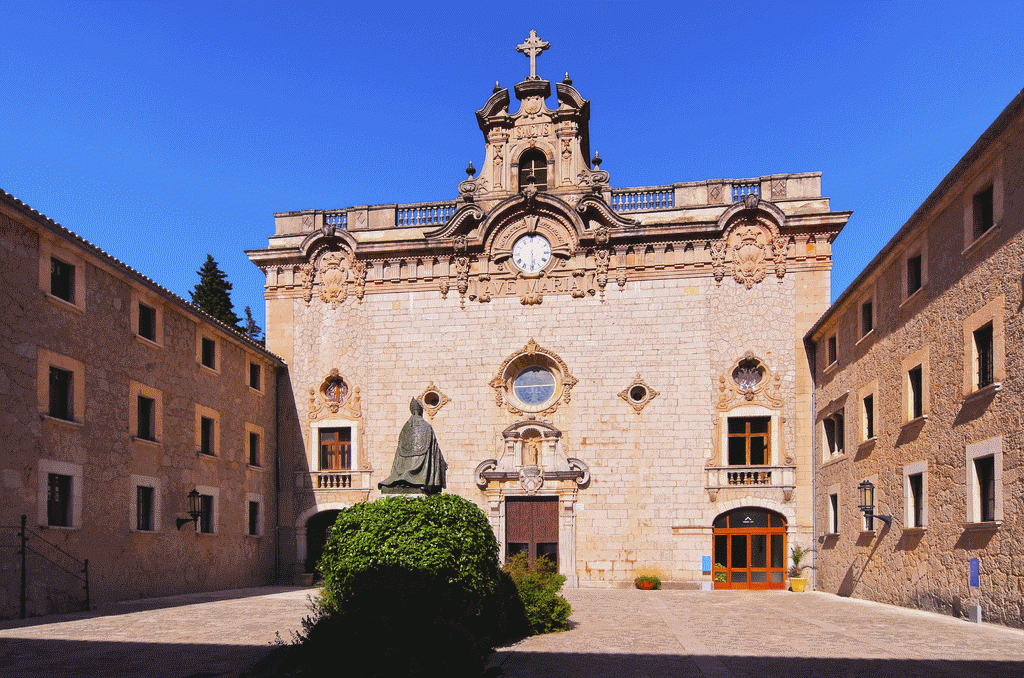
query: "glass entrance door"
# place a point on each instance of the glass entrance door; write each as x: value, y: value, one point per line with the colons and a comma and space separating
x: 750, y: 550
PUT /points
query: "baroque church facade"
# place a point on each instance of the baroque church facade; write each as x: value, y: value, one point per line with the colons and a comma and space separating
x: 617, y: 376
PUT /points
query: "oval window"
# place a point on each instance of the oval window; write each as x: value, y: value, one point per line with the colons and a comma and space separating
x: 534, y: 386
x: 431, y: 399
x: 637, y: 393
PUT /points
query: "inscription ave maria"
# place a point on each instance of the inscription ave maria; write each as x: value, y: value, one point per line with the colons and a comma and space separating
x: 517, y: 287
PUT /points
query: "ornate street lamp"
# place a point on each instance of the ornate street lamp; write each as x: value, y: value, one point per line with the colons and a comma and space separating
x: 193, y: 510
x: 867, y: 505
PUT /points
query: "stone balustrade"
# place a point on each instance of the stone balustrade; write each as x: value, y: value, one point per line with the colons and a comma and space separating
x: 333, y: 480
x: 745, y: 477
x: 424, y: 213
x: 336, y: 218
x: 642, y: 199
x: 637, y: 200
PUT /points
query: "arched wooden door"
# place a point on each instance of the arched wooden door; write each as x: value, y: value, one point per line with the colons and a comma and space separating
x: 750, y: 549
x: 317, y: 529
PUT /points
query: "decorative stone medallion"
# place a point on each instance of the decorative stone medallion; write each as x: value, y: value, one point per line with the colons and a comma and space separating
x: 638, y: 394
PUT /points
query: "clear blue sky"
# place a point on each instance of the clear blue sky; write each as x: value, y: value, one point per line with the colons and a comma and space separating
x: 165, y: 131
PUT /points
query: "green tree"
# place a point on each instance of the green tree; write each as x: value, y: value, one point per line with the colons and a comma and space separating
x: 213, y: 293
x: 251, y: 329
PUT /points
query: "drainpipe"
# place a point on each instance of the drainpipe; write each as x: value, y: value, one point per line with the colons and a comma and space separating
x: 813, y: 359
x: 277, y: 476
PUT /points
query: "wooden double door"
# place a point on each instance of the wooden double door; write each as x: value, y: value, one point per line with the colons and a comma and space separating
x: 531, y: 528
x: 750, y: 550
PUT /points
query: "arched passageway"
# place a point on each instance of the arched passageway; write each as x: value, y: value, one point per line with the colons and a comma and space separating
x: 317, y: 528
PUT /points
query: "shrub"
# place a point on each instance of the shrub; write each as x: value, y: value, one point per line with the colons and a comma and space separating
x: 411, y: 586
x: 538, y: 588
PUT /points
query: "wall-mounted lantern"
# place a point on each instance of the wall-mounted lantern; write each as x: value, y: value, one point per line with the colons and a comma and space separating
x: 867, y: 505
x: 193, y: 510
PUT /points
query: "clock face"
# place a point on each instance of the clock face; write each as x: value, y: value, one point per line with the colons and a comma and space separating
x: 531, y: 253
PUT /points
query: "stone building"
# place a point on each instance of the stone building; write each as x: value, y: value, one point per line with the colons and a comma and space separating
x: 918, y: 390
x: 616, y: 375
x: 119, y: 400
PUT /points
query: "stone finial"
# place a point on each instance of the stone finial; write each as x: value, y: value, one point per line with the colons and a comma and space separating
x: 567, y: 80
x: 532, y: 47
x: 497, y: 87
x: 596, y: 162
x: 470, y: 170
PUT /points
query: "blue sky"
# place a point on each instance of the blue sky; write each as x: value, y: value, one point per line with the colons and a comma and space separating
x: 165, y: 131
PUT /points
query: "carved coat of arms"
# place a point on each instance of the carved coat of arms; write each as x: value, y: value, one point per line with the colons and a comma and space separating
x: 748, y: 254
x: 334, y: 273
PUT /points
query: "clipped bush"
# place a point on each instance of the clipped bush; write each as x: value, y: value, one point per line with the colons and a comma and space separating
x: 411, y: 587
x: 538, y: 588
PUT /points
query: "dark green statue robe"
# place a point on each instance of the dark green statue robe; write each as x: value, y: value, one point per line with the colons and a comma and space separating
x: 419, y: 466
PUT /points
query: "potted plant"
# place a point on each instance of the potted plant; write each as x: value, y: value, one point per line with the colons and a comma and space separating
x: 719, y: 572
x: 647, y: 582
x: 797, y: 581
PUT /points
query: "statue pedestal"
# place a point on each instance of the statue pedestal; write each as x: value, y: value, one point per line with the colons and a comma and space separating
x: 409, y: 493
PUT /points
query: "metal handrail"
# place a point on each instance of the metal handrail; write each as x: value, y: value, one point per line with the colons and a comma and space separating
x: 25, y: 548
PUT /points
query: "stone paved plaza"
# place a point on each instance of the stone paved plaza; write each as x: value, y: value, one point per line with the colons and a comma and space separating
x: 615, y: 633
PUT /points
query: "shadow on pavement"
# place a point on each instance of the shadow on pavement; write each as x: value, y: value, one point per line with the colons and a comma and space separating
x: 36, y: 658
x: 514, y: 664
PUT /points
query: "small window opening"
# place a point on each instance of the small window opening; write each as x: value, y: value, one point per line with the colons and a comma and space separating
x: 58, y: 500
x: 983, y: 345
x: 210, y: 353
x: 144, y: 509
x: 914, y: 279
x: 916, y: 482
x: 833, y: 352
x: 254, y: 518
x: 867, y: 318
x: 206, y: 435
x: 869, y: 417
x: 985, y: 469
x: 146, y: 418
x: 147, y: 322
x: 62, y: 280
x: 254, y: 448
x: 915, y: 377
x: 833, y: 504
x: 255, y: 377
x: 62, y: 394
x: 206, y: 514
x: 984, y: 211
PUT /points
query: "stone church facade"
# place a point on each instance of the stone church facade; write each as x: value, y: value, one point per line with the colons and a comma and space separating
x: 617, y: 377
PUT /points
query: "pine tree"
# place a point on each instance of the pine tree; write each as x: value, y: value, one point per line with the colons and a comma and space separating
x: 251, y: 329
x: 213, y: 293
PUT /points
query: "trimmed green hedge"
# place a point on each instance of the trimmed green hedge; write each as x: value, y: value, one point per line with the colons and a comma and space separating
x: 411, y: 587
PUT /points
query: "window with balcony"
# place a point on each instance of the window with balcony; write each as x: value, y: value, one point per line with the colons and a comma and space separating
x: 749, y: 441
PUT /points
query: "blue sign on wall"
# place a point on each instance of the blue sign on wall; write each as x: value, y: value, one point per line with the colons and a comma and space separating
x: 705, y: 564
x: 975, y: 572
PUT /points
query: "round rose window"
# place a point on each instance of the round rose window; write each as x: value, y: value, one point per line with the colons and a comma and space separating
x: 534, y: 386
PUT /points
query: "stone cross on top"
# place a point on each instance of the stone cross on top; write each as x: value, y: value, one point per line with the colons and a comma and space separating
x: 532, y: 48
